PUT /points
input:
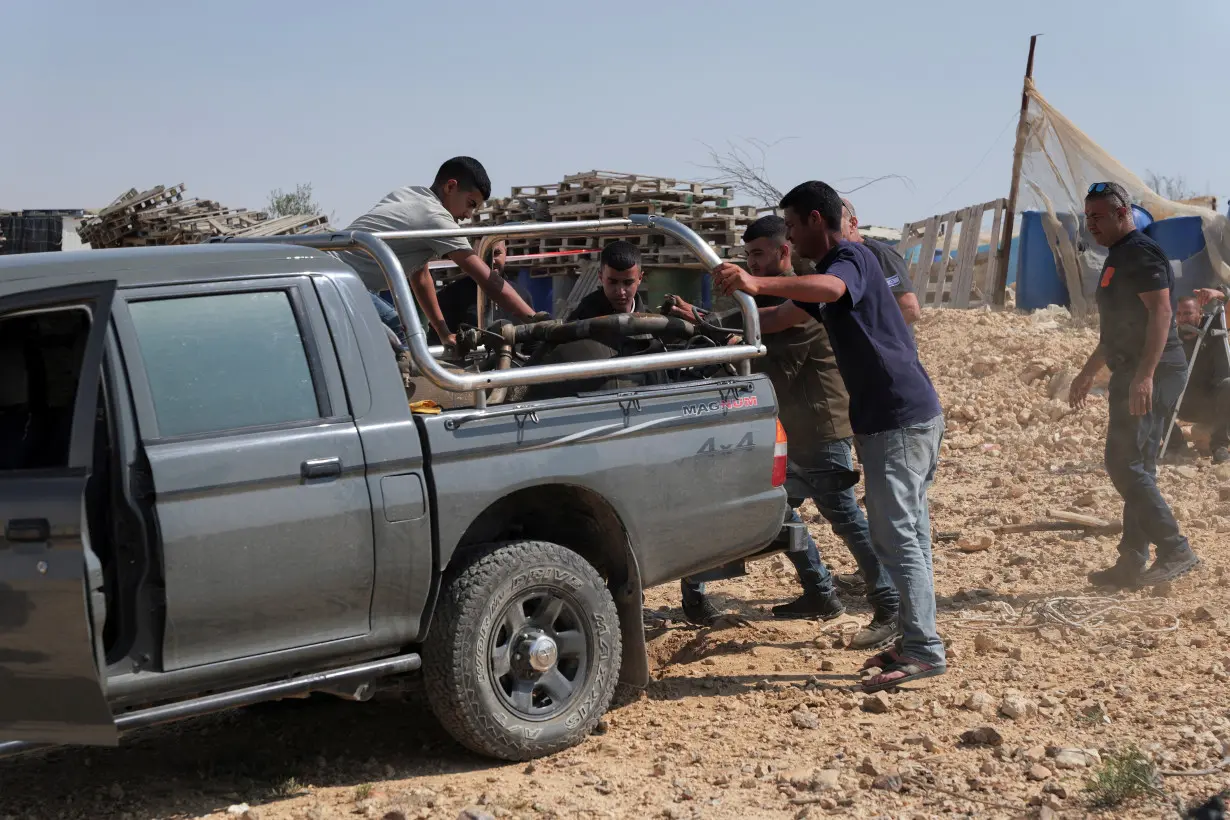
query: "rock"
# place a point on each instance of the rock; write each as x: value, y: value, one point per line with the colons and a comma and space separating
x: 828, y: 779
x: 877, y: 704
x: 1038, y: 772
x: 116, y: 792
x: 1035, y: 754
x: 1073, y: 759
x: 976, y: 542
x: 1203, y: 613
x: 799, y: 778
x: 982, y: 736
x: 474, y: 814
x: 394, y: 815
x: 889, y: 782
x: 804, y: 720
x: 985, y: 642
x: 1047, y: 813
x: 1057, y: 789
x: 1016, y: 707
x: 978, y: 702
x: 659, y: 770
x: 870, y: 767
x: 238, y: 810
x: 827, y: 666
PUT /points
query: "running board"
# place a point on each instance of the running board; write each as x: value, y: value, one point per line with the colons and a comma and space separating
x: 357, y: 677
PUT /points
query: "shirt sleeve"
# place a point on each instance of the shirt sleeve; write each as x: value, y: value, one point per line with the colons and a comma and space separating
x: 896, y: 272
x: 1145, y: 271
x: 851, y: 274
x: 442, y: 246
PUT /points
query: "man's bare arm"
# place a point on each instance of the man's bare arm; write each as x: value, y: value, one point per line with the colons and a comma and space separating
x: 1156, y: 331
x: 781, y: 317
x: 814, y: 287
x: 495, y: 287
x: 910, y: 309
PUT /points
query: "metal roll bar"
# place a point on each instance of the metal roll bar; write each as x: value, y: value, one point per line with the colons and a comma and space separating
x: 374, y: 244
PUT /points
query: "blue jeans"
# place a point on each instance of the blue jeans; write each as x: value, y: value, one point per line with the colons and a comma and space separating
x: 823, y: 483
x: 898, y: 467
x: 388, y: 315
x: 1132, y: 443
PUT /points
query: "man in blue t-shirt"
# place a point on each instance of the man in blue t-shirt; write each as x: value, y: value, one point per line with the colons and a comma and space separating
x: 894, y: 410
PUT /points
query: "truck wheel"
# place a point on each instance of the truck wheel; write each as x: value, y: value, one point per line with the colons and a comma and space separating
x: 524, y: 650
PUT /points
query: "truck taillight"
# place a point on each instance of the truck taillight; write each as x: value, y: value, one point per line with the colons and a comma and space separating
x: 779, y: 457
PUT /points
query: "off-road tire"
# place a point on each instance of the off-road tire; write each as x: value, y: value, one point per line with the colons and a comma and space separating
x: 467, y: 698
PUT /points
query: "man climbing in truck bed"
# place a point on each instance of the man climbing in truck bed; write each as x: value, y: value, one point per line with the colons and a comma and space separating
x: 459, y: 189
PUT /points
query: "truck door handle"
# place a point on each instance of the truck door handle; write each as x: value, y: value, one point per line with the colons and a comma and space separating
x: 321, y: 468
x: 27, y: 530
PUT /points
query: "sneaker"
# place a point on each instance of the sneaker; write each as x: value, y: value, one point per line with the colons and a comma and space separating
x: 1170, y: 567
x: 701, y: 613
x: 811, y: 605
x: 1221, y: 455
x: 882, y: 631
x: 1119, y: 576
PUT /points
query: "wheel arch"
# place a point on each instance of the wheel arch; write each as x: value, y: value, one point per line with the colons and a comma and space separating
x: 585, y: 522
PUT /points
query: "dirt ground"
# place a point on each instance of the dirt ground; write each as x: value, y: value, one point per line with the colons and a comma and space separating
x: 1046, y: 681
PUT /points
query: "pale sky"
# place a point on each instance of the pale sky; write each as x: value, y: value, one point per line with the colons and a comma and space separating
x: 237, y: 98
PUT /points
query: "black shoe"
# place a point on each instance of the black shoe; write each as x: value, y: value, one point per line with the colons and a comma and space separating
x: 882, y: 631
x: 1120, y: 576
x: 701, y: 613
x: 851, y: 584
x: 811, y: 605
x: 1170, y: 567
x: 1221, y: 455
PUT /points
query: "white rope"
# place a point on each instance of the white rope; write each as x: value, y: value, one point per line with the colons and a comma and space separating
x: 1086, y: 615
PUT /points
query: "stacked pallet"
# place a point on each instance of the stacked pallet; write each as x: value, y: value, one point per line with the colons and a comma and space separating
x: 707, y: 209
x: 161, y: 216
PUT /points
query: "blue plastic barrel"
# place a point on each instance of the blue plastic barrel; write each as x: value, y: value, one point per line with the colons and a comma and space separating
x: 540, y: 289
x: 1141, y: 217
x: 1182, y: 238
x: 1038, y: 282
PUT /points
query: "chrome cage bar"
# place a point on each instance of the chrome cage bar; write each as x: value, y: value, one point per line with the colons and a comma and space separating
x: 375, y: 246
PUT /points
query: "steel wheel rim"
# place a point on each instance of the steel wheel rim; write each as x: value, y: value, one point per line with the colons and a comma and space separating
x: 538, y: 653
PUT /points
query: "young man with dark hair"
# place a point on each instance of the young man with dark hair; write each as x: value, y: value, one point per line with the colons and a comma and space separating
x: 1207, y: 398
x: 894, y: 265
x: 460, y: 188
x: 814, y: 408
x: 619, y: 279
x: 894, y: 410
x: 1139, y: 342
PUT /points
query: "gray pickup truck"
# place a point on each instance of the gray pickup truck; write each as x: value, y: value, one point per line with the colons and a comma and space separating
x: 214, y: 491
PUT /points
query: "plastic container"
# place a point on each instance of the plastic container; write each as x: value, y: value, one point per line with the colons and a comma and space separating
x: 1038, y: 282
x: 1182, y: 238
x: 1141, y: 217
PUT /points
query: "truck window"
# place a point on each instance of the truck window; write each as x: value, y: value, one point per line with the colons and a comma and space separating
x: 225, y: 361
x: 40, y: 362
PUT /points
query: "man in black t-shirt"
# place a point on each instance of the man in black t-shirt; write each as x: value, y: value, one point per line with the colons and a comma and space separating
x: 1138, y: 341
x: 618, y: 283
x: 458, y: 299
x: 895, y: 269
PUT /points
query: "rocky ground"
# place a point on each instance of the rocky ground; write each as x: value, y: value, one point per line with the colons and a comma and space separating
x: 1048, y: 683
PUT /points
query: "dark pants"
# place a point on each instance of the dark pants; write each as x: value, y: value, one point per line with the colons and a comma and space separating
x: 1132, y: 443
x: 1207, y: 404
x: 840, y: 508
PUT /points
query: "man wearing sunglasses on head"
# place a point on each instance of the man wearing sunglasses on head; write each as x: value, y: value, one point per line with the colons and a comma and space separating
x: 1139, y: 342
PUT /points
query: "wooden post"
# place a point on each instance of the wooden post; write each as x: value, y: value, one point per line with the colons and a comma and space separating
x: 1001, y: 268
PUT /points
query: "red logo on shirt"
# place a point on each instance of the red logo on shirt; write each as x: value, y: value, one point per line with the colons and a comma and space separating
x: 1107, y: 275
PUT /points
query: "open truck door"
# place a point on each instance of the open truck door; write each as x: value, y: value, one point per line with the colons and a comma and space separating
x: 51, y: 349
